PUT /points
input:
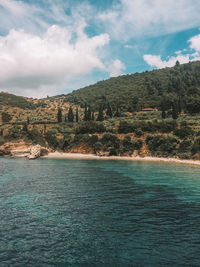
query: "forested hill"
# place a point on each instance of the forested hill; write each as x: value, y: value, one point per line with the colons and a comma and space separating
x: 15, y: 101
x: 179, y: 84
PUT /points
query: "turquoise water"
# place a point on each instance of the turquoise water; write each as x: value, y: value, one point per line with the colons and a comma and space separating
x: 65, y: 212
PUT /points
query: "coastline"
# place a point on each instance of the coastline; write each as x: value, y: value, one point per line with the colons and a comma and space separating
x: 62, y: 155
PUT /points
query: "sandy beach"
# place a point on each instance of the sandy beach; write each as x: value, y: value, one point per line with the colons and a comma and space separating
x: 62, y: 155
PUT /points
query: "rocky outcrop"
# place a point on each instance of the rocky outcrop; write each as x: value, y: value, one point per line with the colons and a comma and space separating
x: 23, y: 149
x: 37, y: 151
x: 102, y: 153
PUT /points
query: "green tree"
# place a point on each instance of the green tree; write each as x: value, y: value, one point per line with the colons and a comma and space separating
x: 174, y: 111
x: 117, y: 113
x: 92, y: 115
x: 163, y: 113
x: 85, y: 113
x: 77, y: 117
x: 109, y: 111
x: 177, y: 64
x: 100, y: 114
x: 6, y: 117
x: 89, y: 114
x: 59, y: 115
x: 70, y: 115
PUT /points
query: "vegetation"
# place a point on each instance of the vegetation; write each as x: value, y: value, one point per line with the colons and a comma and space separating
x: 15, y: 101
x: 108, y: 117
x: 179, y: 85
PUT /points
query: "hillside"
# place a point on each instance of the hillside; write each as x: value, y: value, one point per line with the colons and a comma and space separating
x: 107, y: 118
x: 149, y: 89
x: 7, y: 99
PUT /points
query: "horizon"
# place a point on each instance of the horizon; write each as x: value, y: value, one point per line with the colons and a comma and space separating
x: 56, y: 47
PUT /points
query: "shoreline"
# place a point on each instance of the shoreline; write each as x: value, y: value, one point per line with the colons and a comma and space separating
x: 62, y: 155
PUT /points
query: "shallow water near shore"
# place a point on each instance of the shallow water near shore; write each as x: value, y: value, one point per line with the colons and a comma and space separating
x: 73, y: 212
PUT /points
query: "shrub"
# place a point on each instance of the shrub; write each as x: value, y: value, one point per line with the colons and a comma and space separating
x: 110, y: 140
x: 183, y: 132
x: 36, y: 137
x: 51, y: 138
x: 162, y: 145
x: 185, y: 146
x: 196, y: 145
x: 2, y: 140
x: 86, y: 138
x: 15, y: 132
x: 90, y: 127
x: 5, y: 117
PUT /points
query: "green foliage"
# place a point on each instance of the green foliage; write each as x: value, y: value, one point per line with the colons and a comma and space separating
x: 59, y: 115
x: 100, y: 114
x: 183, y: 132
x: 153, y: 126
x: 51, y: 138
x: 15, y: 132
x: 185, y: 146
x: 161, y: 145
x: 70, y: 115
x: 66, y: 141
x: 111, y: 143
x: 148, y: 89
x: 36, y: 137
x: 2, y: 140
x: 89, y: 114
x: 196, y: 146
x: 174, y: 111
x: 90, y: 127
x: 77, y: 116
x: 109, y: 111
x: 5, y: 117
x: 15, y: 101
x: 88, y: 139
x: 85, y: 113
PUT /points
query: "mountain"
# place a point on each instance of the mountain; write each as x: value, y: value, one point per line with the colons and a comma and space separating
x: 148, y: 89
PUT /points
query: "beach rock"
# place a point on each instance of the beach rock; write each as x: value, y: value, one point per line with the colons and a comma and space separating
x: 37, y: 151
x: 101, y: 153
x: 23, y: 149
x: 18, y: 153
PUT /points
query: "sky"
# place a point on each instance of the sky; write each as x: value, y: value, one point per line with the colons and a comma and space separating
x: 51, y: 47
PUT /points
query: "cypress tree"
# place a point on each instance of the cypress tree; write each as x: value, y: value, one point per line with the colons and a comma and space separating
x: 77, y: 118
x: 109, y: 111
x: 117, y: 113
x: 25, y: 128
x: 59, y: 115
x: 85, y: 113
x: 174, y: 111
x: 89, y: 114
x: 163, y: 114
x: 92, y: 115
x: 180, y: 105
x: 70, y: 115
x: 163, y: 110
x: 100, y: 114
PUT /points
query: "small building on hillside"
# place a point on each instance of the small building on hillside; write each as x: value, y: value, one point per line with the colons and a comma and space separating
x: 147, y: 109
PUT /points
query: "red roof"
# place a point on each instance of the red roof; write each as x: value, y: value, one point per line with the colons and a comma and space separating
x: 147, y: 109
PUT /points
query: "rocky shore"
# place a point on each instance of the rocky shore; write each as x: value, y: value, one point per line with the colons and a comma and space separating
x: 23, y: 149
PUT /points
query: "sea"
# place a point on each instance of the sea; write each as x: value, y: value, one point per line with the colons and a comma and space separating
x: 73, y: 212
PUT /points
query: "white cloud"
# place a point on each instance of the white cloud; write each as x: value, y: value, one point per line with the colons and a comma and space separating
x: 156, y: 61
x: 33, y: 61
x: 116, y: 68
x: 144, y: 18
x: 181, y: 55
x: 195, y: 42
